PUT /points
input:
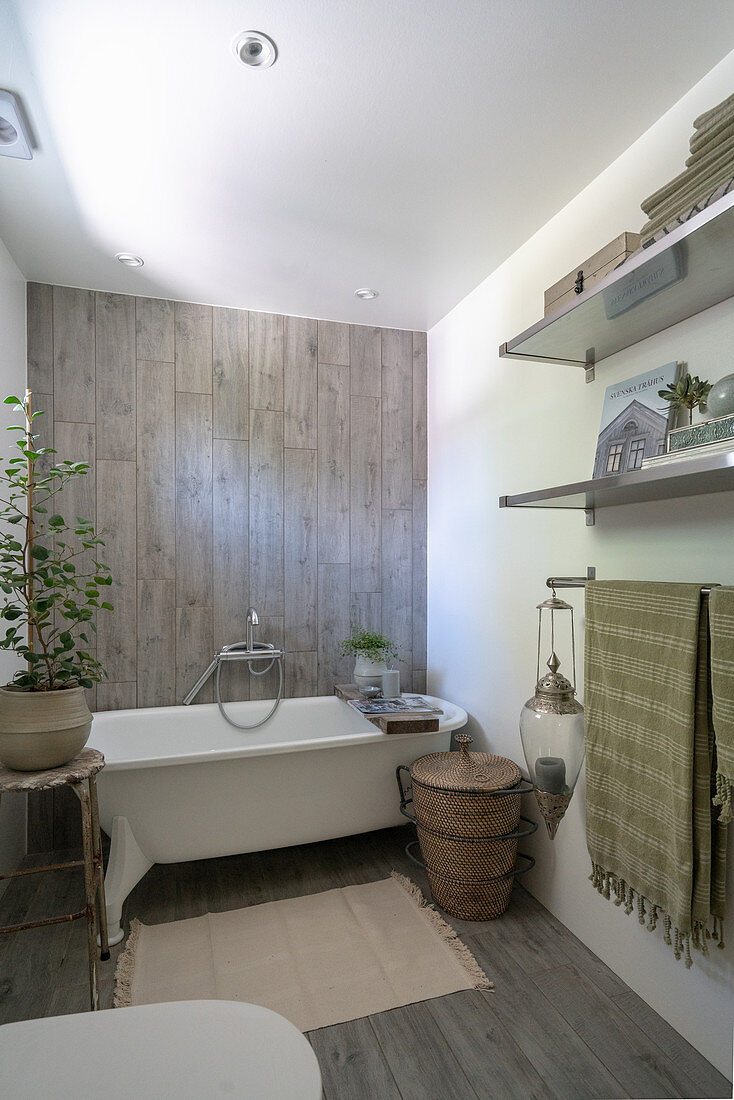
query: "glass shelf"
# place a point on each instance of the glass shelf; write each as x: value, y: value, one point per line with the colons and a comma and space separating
x: 691, y: 476
x: 685, y: 273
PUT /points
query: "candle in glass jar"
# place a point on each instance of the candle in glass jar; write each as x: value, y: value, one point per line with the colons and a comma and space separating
x: 550, y: 774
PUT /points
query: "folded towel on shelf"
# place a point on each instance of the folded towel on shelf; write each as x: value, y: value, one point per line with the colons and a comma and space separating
x: 722, y: 683
x: 714, y: 115
x: 700, y: 144
x: 650, y: 825
x: 655, y: 230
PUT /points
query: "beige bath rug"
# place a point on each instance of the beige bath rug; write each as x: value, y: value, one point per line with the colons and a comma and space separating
x: 317, y: 960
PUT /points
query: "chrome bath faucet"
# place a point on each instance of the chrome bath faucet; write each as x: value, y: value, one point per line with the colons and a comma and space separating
x: 252, y: 622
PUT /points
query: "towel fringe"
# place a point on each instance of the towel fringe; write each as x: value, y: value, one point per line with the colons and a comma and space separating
x: 723, y: 798
x: 681, y: 942
x: 448, y: 934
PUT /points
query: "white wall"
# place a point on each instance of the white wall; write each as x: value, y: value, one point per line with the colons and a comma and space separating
x: 498, y: 426
x: 12, y: 380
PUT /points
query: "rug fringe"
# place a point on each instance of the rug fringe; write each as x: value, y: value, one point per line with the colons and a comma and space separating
x: 448, y: 934
x: 126, y: 968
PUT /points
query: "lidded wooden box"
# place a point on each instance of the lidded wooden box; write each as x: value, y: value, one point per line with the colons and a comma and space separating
x: 591, y: 271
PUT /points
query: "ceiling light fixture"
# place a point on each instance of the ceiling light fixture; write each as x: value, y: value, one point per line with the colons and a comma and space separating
x: 255, y: 49
x: 129, y: 259
x: 366, y: 293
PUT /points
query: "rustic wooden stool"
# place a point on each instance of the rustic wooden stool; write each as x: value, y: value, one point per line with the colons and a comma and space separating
x: 78, y: 774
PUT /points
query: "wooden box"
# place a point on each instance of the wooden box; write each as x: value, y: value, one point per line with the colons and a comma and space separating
x: 592, y: 270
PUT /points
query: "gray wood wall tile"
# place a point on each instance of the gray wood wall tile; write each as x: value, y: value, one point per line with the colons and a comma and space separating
x: 194, y: 647
x: 39, y: 306
x: 397, y: 611
x: 156, y: 645
x: 419, y: 681
x: 117, y: 696
x: 231, y: 386
x: 115, y: 376
x: 334, y: 343
x: 301, y: 674
x: 193, y: 329
x: 300, y: 549
x: 231, y: 566
x: 154, y: 327
x: 266, y: 361
x: 74, y: 354
x: 420, y: 406
x: 266, y: 511
x: 300, y: 381
x: 365, y: 360
x: 193, y: 500
x: 43, y: 427
x: 156, y: 445
x: 366, y: 610
x: 333, y: 429
x: 397, y: 419
x: 365, y: 494
x: 333, y: 627
x: 280, y: 463
x: 116, y: 522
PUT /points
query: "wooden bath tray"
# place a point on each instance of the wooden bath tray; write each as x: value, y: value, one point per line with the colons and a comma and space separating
x: 391, y: 723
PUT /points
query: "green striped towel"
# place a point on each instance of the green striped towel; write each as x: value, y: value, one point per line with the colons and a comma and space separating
x: 649, y: 758
x: 722, y: 681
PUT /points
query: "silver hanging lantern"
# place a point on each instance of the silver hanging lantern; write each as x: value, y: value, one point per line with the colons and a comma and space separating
x: 552, y: 726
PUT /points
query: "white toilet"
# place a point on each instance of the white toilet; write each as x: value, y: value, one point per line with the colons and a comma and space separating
x: 187, y: 1050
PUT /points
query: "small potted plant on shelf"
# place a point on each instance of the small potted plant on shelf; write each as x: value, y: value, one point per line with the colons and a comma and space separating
x: 687, y: 393
x: 51, y: 580
x: 372, y: 652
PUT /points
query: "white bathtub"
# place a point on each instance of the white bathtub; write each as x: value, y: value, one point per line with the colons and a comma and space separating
x: 180, y: 783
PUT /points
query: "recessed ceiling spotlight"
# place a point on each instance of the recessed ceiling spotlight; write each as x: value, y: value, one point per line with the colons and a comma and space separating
x: 366, y: 292
x: 255, y: 49
x: 129, y: 259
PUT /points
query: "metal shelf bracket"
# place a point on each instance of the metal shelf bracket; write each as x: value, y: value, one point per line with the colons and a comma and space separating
x: 590, y: 517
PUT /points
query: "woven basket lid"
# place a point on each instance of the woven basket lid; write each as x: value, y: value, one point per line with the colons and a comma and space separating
x: 464, y: 770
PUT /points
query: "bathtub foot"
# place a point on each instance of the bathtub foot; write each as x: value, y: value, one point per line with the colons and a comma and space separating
x: 125, y: 868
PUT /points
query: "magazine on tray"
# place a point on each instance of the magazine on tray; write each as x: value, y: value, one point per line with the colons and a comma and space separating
x: 405, y: 704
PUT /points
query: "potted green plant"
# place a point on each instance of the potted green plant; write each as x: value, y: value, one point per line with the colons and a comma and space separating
x: 51, y: 580
x: 687, y: 393
x: 372, y: 652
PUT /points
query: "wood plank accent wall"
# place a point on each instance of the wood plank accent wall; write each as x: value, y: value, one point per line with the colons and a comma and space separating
x: 238, y: 458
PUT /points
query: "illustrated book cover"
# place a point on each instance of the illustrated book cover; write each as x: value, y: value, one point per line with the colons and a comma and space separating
x: 634, y: 422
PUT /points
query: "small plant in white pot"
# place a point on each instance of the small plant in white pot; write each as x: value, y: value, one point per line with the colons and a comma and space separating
x: 50, y: 599
x: 371, y: 652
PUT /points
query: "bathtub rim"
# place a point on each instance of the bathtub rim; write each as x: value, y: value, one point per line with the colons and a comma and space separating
x: 454, y: 717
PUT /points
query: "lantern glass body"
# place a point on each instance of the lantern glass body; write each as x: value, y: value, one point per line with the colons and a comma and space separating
x: 553, y: 744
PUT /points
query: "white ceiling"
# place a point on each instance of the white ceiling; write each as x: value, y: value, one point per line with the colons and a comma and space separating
x: 407, y: 145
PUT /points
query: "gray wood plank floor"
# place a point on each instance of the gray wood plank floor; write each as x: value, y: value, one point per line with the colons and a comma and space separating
x: 559, y: 1023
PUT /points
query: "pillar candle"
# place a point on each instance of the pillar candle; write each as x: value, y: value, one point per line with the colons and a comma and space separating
x: 550, y: 774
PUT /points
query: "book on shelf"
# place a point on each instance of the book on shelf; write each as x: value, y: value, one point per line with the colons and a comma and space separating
x: 405, y: 704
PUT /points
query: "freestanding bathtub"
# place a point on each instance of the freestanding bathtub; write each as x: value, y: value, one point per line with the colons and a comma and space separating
x: 179, y: 783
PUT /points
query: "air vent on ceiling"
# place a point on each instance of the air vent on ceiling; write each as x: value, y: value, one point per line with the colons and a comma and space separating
x: 14, y: 139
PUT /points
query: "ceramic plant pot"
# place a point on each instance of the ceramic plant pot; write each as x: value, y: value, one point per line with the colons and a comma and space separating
x: 42, y: 729
x: 368, y: 672
x: 720, y: 401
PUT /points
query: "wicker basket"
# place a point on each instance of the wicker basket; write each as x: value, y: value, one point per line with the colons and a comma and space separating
x: 467, y: 812
x: 471, y: 859
x: 474, y: 900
